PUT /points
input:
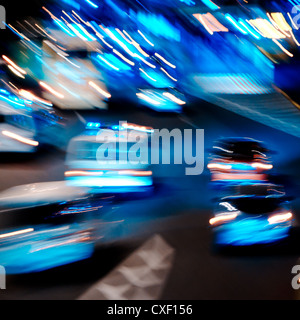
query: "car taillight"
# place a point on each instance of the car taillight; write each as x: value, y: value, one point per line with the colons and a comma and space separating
x: 222, y: 218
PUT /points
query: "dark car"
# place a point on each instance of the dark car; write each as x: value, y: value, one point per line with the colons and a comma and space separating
x: 239, y: 159
x: 252, y: 214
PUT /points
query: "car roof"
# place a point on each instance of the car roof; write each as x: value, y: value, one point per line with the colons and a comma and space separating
x: 235, y: 147
x: 280, y: 198
x: 238, y: 139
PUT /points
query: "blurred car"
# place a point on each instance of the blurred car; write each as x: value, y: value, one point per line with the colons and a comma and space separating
x: 49, y: 224
x: 162, y: 99
x: 252, y: 214
x: 70, y: 79
x: 26, y: 125
x: 17, y: 131
x: 239, y: 159
x: 43, y: 226
x: 113, y: 172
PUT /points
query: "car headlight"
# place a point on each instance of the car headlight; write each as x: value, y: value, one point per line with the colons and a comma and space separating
x: 280, y: 217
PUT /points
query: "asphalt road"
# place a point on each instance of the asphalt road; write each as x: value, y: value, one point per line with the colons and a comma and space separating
x: 179, y: 211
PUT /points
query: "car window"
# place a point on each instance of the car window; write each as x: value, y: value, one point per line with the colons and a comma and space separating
x: 254, y: 205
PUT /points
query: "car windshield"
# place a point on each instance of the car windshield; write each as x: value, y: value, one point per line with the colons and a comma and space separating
x: 256, y: 205
x: 261, y: 190
x: 244, y: 150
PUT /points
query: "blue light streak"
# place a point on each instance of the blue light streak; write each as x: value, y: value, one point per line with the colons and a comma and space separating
x: 210, y: 4
x: 64, y: 27
x: 92, y: 4
x: 252, y: 32
x: 234, y: 23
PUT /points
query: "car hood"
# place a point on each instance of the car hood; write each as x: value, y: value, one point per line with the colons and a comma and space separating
x: 41, y: 193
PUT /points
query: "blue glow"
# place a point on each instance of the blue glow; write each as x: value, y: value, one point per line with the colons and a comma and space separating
x: 93, y: 125
x: 249, y: 29
x: 234, y: 23
x: 117, y: 62
x: 119, y: 11
x: 98, y: 29
x: 188, y: 2
x: 111, y: 181
x: 44, y: 249
x: 115, y: 36
x: 160, y: 80
x: 43, y: 62
x: 107, y: 63
x: 72, y: 3
x: 68, y: 72
x: 117, y: 127
x: 18, y: 34
x: 210, y: 4
x: 85, y: 36
x: 159, y: 26
x: 19, y: 260
x: 92, y: 4
x: 251, y: 230
x: 241, y: 166
x: 163, y: 105
x: 15, y: 101
x: 234, y: 182
x: 121, y: 65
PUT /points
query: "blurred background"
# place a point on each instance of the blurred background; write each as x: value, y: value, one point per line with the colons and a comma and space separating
x: 73, y: 67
